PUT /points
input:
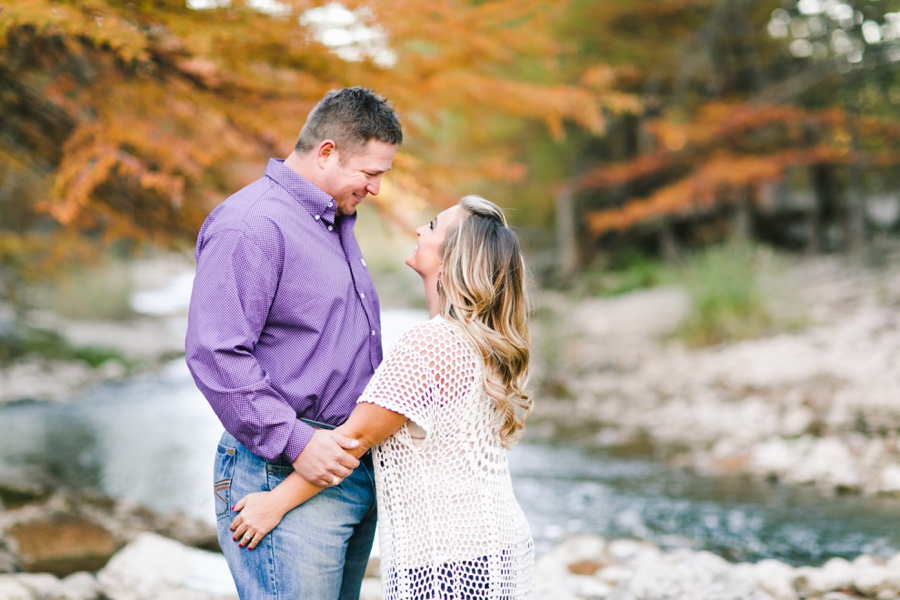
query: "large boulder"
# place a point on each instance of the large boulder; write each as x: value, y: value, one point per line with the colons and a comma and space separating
x: 155, y: 568
x: 62, y: 544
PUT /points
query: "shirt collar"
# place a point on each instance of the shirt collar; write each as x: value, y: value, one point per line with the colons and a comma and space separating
x: 313, y: 199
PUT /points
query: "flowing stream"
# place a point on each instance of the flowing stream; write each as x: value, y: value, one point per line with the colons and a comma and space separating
x: 151, y: 440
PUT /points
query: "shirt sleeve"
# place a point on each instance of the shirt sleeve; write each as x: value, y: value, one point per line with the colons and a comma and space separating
x: 404, y: 383
x: 234, y: 287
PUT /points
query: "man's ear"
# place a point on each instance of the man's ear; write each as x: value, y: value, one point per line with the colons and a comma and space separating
x: 325, y: 151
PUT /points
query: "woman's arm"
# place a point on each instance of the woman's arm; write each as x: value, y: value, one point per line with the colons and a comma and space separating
x: 260, y: 512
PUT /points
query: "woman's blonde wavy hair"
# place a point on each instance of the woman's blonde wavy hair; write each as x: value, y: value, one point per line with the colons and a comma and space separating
x: 482, y: 288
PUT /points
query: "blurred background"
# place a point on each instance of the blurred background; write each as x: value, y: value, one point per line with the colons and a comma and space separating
x: 707, y: 190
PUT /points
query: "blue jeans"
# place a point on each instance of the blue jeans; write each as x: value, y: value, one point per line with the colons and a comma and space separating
x: 319, y: 551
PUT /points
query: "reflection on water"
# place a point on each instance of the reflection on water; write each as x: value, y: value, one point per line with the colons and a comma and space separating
x: 152, y: 440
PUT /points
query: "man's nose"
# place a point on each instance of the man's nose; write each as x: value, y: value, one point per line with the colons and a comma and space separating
x: 374, y: 186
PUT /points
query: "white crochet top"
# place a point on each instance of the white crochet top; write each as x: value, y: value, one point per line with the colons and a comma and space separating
x: 450, y: 526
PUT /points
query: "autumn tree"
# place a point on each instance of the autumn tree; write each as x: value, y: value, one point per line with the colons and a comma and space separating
x: 126, y: 122
x: 766, y: 117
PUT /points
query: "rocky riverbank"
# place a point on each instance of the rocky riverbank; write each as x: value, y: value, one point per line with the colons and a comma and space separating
x: 813, y: 406
x: 816, y: 406
x: 154, y: 567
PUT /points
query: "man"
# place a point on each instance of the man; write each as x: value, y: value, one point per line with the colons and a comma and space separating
x: 283, y: 335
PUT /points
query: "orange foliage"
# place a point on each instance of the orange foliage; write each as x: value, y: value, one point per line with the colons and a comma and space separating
x: 763, y: 143
x: 155, y: 110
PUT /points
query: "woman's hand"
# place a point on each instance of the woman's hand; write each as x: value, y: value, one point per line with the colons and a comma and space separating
x: 260, y: 513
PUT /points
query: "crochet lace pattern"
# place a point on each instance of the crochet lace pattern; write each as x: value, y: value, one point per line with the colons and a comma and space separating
x: 449, y: 523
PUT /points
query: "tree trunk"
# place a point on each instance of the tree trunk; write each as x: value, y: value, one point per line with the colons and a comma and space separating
x: 566, y: 238
x: 826, y: 200
x: 855, y: 209
x: 742, y: 218
x: 669, y: 248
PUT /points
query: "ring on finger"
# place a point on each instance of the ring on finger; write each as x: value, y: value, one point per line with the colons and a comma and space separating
x: 336, y: 480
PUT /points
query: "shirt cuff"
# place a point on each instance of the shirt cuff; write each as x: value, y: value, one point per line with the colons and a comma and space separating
x: 297, y: 440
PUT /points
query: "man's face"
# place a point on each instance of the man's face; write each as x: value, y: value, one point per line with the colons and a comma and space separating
x: 349, y: 178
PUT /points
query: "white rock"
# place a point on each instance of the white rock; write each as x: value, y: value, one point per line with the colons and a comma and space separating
x: 836, y: 574
x: 693, y: 576
x: 796, y: 420
x: 79, y: 586
x: 894, y: 563
x: 631, y: 551
x: 10, y: 589
x: 580, y: 547
x: 586, y: 586
x: 871, y: 580
x: 775, y: 456
x: 889, y: 478
x: 371, y: 589
x: 41, y: 585
x: 776, y: 579
x: 614, y: 574
x: 829, y: 460
x: 550, y: 567
x: 867, y: 560
x: 152, y: 567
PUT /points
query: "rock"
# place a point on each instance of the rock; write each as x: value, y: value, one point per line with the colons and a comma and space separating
x: 41, y: 585
x: 689, y: 576
x: 62, y: 544
x: 631, y: 551
x: 584, y: 586
x: 371, y: 589
x: 11, y: 589
x: 80, y: 586
x: 811, y: 581
x: 776, y: 579
x: 889, y: 479
x: 580, y: 548
x: 153, y: 567
x: 870, y: 580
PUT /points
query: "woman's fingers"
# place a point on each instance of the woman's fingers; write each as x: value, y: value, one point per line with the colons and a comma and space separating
x: 236, y: 522
x: 255, y: 541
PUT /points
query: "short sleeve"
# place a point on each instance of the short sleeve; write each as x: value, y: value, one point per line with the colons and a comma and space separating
x: 404, y: 383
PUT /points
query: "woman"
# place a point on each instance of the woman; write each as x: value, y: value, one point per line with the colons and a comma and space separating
x: 439, y: 414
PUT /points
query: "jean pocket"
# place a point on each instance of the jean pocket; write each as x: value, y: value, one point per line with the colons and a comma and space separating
x: 223, y: 474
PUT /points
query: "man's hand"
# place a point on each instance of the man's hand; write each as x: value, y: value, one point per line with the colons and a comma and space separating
x: 325, y: 458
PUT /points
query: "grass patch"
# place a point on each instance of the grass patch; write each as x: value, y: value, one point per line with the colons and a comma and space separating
x: 729, y: 299
x: 22, y: 342
x: 614, y: 277
x: 101, y: 292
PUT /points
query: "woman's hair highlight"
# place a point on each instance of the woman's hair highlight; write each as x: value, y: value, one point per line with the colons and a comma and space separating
x: 483, y: 290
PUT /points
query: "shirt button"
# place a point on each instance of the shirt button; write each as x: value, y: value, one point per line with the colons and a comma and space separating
x: 330, y: 228
x: 318, y: 217
x: 373, y: 332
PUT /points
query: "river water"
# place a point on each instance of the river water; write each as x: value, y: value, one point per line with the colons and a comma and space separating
x: 151, y: 440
